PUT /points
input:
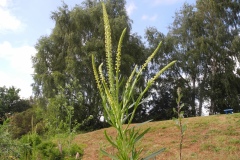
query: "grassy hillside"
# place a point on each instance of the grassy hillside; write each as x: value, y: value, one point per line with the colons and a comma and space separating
x: 210, y: 138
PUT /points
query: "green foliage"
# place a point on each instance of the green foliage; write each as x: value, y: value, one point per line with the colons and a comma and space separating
x: 49, y: 150
x: 179, y: 121
x: 60, y: 116
x: 63, y: 58
x: 117, y: 101
x: 163, y: 97
x: 204, y: 40
x: 153, y: 155
x: 210, y: 147
x: 37, y: 148
x: 234, y: 141
x: 20, y: 123
x: 9, y: 148
x: 74, y: 150
x: 31, y: 140
x: 10, y: 102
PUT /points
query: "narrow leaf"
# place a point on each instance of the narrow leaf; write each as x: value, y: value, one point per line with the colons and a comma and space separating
x: 109, y: 155
x: 110, y: 140
x: 140, y: 124
x: 125, y: 118
x: 174, y: 110
x: 181, y: 106
x: 154, y: 154
x: 141, y: 135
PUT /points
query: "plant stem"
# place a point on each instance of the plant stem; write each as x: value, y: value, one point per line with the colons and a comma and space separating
x: 182, y: 132
x: 179, y: 123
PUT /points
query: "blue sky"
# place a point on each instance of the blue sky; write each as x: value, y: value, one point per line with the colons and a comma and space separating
x: 23, y: 22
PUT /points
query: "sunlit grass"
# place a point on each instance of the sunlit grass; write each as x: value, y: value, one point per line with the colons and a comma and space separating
x: 208, y: 138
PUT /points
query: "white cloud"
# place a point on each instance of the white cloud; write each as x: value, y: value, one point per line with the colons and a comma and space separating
x: 130, y: 8
x: 16, y: 68
x: 3, y: 3
x: 18, y: 58
x: 149, y: 18
x: 8, y: 22
x: 8, y: 80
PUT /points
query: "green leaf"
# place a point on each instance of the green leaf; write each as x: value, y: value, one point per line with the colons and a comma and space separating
x: 140, y: 124
x: 133, y: 104
x: 154, y: 154
x: 181, y: 114
x: 181, y: 106
x: 184, y: 127
x: 124, y: 120
x: 174, y: 110
x: 110, y: 140
x: 109, y: 155
x: 141, y: 102
x: 141, y: 135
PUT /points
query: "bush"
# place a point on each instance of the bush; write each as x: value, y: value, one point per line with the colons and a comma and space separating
x: 39, y: 149
x: 9, y: 148
x: 21, y: 123
x: 30, y: 141
x: 48, y: 150
x: 74, y: 149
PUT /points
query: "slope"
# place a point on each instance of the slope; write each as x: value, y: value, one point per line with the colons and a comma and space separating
x: 210, y: 138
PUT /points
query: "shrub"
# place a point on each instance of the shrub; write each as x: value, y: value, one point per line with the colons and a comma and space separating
x: 73, y: 150
x: 49, y: 150
x: 30, y: 141
x: 21, y: 123
x: 9, y: 148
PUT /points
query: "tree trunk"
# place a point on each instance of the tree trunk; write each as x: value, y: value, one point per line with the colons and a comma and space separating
x: 193, y: 97
x: 212, y: 107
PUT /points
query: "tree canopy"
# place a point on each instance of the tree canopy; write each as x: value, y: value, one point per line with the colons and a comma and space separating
x: 10, y: 102
x: 203, y: 38
x: 64, y: 57
x: 204, y: 44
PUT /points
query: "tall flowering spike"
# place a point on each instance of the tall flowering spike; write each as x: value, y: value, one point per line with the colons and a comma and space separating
x: 118, y: 63
x: 108, y: 94
x: 151, y: 81
x: 96, y: 75
x: 116, y: 111
x: 150, y: 58
x: 108, y: 48
x: 119, y: 50
x: 130, y: 78
x: 102, y: 79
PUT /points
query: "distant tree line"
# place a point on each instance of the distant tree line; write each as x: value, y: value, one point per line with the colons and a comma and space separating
x: 10, y: 102
x: 203, y: 38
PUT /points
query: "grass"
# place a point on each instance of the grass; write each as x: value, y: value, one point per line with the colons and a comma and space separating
x: 210, y: 138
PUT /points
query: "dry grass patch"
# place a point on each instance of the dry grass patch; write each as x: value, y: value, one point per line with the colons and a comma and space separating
x: 209, y: 138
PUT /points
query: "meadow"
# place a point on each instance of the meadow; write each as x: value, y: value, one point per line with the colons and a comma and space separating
x: 215, y: 137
